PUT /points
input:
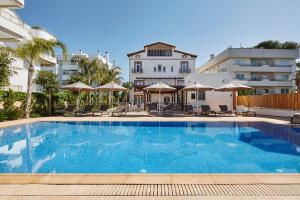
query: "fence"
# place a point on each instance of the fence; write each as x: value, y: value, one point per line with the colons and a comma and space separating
x: 275, y: 101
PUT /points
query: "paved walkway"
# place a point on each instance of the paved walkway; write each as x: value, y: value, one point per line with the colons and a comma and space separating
x: 156, y: 191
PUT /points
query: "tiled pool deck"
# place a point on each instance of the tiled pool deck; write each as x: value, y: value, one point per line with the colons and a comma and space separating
x: 148, y: 186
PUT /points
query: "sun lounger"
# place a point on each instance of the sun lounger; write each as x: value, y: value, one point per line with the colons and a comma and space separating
x: 207, y: 111
x: 167, y: 111
x: 245, y: 111
x: 152, y: 109
x: 119, y: 111
x: 224, y: 110
x: 68, y: 110
x: 189, y: 109
x: 86, y: 110
x: 295, y: 119
x: 103, y: 108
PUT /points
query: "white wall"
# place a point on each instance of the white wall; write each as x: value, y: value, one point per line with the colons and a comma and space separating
x: 213, y: 98
x: 149, y: 62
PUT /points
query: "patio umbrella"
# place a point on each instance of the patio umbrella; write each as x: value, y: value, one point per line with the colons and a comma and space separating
x: 78, y: 87
x: 197, y: 87
x: 111, y: 87
x: 233, y: 87
x: 159, y: 87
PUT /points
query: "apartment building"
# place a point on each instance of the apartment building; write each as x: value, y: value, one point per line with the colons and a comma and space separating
x: 14, y: 32
x: 69, y: 66
x: 268, y: 71
x: 159, y: 62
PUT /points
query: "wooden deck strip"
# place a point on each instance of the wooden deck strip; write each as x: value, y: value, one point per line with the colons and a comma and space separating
x: 152, y: 190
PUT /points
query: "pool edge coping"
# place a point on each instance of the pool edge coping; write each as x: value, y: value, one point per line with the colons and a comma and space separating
x: 133, y: 178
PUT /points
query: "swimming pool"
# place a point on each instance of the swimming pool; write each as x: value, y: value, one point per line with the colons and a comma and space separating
x: 150, y: 147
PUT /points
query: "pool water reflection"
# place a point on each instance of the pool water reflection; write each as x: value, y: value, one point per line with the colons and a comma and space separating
x: 150, y: 147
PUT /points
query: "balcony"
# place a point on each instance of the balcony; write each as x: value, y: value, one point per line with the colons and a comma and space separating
x: 137, y: 71
x: 12, y: 3
x: 47, y: 60
x: 263, y: 68
x: 39, y: 32
x: 188, y: 70
x: 12, y: 27
x: 269, y: 83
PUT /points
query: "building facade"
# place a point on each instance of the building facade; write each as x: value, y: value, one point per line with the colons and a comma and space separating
x: 69, y: 66
x: 268, y: 71
x: 14, y: 32
x: 159, y: 62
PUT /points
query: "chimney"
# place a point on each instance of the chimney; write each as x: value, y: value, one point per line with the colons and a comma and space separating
x: 212, y: 56
x: 107, y: 57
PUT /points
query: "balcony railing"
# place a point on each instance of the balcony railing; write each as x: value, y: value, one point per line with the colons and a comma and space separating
x: 257, y: 65
x: 137, y: 71
x: 14, y: 19
x: 188, y: 70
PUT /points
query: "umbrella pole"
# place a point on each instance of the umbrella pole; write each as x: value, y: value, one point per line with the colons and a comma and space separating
x: 159, y: 100
x: 78, y: 100
x: 197, y: 98
x: 234, y: 99
x: 109, y: 98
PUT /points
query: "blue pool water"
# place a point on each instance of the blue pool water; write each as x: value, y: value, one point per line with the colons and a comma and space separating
x: 150, y: 147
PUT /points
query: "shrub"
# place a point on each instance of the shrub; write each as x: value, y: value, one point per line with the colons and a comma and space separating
x: 9, y: 111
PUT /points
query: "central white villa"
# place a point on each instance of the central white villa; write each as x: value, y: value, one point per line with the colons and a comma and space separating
x: 266, y: 70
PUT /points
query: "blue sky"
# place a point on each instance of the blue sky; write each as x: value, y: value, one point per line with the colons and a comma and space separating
x: 197, y: 26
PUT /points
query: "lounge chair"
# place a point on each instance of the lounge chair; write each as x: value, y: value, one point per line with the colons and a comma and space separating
x: 167, y: 111
x: 245, y: 111
x: 152, y: 109
x: 189, y: 109
x: 86, y: 110
x: 68, y: 110
x: 224, y: 110
x: 295, y: 119
x: 119, y: 111
x: 207, y: 111
x: 103, y: 108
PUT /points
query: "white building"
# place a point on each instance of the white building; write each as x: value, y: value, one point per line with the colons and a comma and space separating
x: 159, y: 62
x: 163, y: 62
x: 266, y: 70
x: 14, y: 32
x: 69, y: 66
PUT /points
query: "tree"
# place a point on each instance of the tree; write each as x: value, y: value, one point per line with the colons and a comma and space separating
x: 49, y: 83
x: 290, y: 45
x: 30, y: 52
x: 5, y: 71
x: 129, y: 86
x: 269, y: 44
x: 274, y: 44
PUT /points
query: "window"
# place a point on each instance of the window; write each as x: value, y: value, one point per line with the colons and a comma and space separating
x: 284, y: 77
x: 240, y: 76
x: 138, y: 66
x: 164, y: 69
x: 283, y: 63
x: 154, y: 69
x: 193, y: 96
x: 180, y: 82
x: 159, y: 68
x: 139, y: 82
x: 172, y: 69
x: 284, y: 90
x: 201, y: 96
x: 184, y: 67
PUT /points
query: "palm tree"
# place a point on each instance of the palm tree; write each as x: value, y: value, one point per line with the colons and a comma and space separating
x: 30, y: 52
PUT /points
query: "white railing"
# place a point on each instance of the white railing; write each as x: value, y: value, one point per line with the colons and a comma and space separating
x: 14, y: 19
